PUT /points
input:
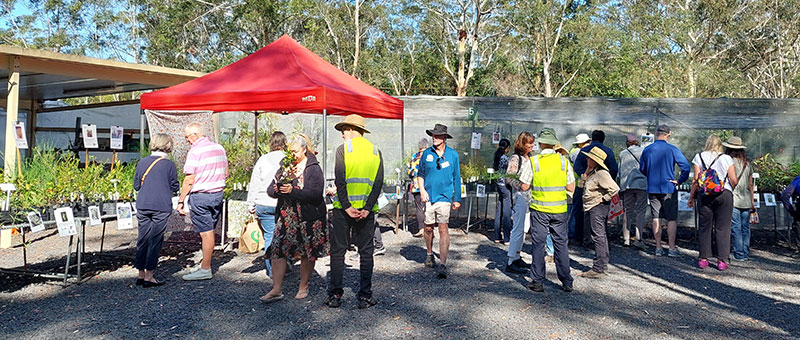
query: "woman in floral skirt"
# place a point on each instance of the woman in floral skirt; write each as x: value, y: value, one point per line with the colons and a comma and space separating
x: 300, y: 227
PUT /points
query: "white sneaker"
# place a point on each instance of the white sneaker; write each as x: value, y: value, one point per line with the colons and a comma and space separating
x: 199, y: 274
x: 659, y: 252
x: 674, y: 252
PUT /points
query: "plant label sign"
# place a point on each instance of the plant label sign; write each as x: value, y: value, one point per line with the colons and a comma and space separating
x: 116, y: 137
x: 480, y: 190
x: 89, y: 136
x: 476, y: 141
x: 769, y: 200
x: 463, y: 191
x: 35, y: 221
x: 94, y: 215
x: 65, y: 222
x: 19, y: 135
x: 496, y: 138
x: 124, y: 216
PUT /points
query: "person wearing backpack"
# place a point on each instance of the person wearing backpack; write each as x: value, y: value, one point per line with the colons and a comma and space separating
x: 633, y: 188
x: 714, y: 180
x: 742, y: 199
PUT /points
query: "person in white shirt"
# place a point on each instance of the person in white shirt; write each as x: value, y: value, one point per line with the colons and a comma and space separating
x: 257, y: 199
x: 716, y: 207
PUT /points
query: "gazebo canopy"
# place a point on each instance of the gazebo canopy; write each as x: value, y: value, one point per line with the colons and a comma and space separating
x: 284, y: 76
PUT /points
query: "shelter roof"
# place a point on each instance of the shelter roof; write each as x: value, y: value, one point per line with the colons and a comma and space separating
x: 46, y: 75
x: 284, y: 76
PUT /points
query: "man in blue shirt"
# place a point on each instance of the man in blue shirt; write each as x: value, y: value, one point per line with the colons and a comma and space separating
x: 791, y: 195
x: 582, y: 232
x: 658, y: 165
x: 439, y: 181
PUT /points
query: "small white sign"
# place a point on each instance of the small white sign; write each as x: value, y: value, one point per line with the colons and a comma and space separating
x: 476, y: 141
x: 94, y: 215
x: 89, y: 136
x: 19, y: 135
x: 116, y: 137
x: 65, y: 221
x: 757, y: 201
x: 382, y: 201
x: 463, y: 191
x: 124, y: 216
x: 769, y: 200
x: 496, y: 138
x: 35, y: 221
x: 480, y: 190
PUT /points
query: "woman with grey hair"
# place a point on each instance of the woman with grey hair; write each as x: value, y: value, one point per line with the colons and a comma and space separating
x: 156, y: 180
x: 413, y: 169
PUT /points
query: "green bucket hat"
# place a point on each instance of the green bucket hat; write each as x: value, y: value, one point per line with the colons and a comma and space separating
x: 547, y: 136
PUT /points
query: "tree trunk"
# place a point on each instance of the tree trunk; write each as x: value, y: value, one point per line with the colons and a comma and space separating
x: 357, y: 38
x: 461, y: 82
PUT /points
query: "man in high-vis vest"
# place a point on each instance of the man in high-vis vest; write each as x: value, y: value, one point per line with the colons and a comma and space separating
x: 439, y: 181
x: 549, y: 177
x: 359, y: 181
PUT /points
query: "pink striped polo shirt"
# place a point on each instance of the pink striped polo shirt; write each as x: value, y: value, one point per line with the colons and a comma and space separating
x: 208, y: 163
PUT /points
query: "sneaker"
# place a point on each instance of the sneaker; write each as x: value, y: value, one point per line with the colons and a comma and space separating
x: 536, y: 286
x: 379, y: 251
x: 199, y: 274
x: 702, y: 263
x: 514, y: 268
x: 674, y: 253
x: 567, y: 288
x: 366, y: 302
x: 430, y: 261
x: 659, y: 252
x: 521, y: 263
x: 741, y: 259
x: 441, y: 271
x: 591, y: 274
x: 419, y: 233
x: 639, y: 244
x: 334, y: 301
x: 722, y: 265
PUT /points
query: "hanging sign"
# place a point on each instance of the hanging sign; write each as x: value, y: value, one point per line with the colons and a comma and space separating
x: 116, y: 137
x: 19, y: 135
x: 476, y: 141
x: 65, y: 222
x: 124, y: 216
x: 89, y: 136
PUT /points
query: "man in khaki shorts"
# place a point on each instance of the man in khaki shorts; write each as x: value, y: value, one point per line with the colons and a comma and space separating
x: 439, y: 181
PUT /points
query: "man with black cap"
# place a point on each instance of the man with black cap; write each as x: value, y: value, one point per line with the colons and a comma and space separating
x: 359, y: 181
x: 550, y: 178
x: 658, y: 165
x: 439, y: 180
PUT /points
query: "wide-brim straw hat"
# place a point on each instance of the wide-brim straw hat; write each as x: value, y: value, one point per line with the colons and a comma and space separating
x: 560, y: 147
x: 598, y: 155
x: 439, y: 130
x: 354, y: 121
x: 734, y: 143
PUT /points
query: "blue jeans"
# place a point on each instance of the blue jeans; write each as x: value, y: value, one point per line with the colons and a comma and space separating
x: 740, y: 233
x: 549, y: 244
x: 266, y: 217
x: 502, y: 219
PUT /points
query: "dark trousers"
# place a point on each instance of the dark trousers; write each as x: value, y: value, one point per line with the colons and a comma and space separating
x: 362, y: 233
x: 716, y: 214
x: 502, y: 219
x: 557, y: 225
x: 152, y: 225
x: 420, y: 212
x: 582, y: 233
x: 634, y: 203
x: 597, y: 217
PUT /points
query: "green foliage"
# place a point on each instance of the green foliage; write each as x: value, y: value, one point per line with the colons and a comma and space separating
x: 774, y: 176
x: 240, y: 151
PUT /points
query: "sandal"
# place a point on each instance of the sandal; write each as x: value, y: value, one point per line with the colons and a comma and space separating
x: 302, y: 294
x: 271, y: 298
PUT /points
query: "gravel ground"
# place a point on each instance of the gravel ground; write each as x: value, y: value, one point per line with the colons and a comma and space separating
x: 643, y: 297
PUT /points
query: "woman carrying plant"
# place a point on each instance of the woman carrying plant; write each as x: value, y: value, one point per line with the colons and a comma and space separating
x: 714, y: 178
x: 503, y: 216
x: 599, y: 188
x: 300, y: 229
x: 156, y: 180
x: 742, y: 199
x: 523, y: 146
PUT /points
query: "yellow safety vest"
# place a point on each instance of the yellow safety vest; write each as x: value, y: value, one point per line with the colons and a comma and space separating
x: 549, y: 187
x: 361, y: 163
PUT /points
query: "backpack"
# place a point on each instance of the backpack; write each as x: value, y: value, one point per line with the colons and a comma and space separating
x: 709, y: 183
x: 636, y: 178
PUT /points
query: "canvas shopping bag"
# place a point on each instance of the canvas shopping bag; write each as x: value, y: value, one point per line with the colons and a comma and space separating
x: 251, y: 239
